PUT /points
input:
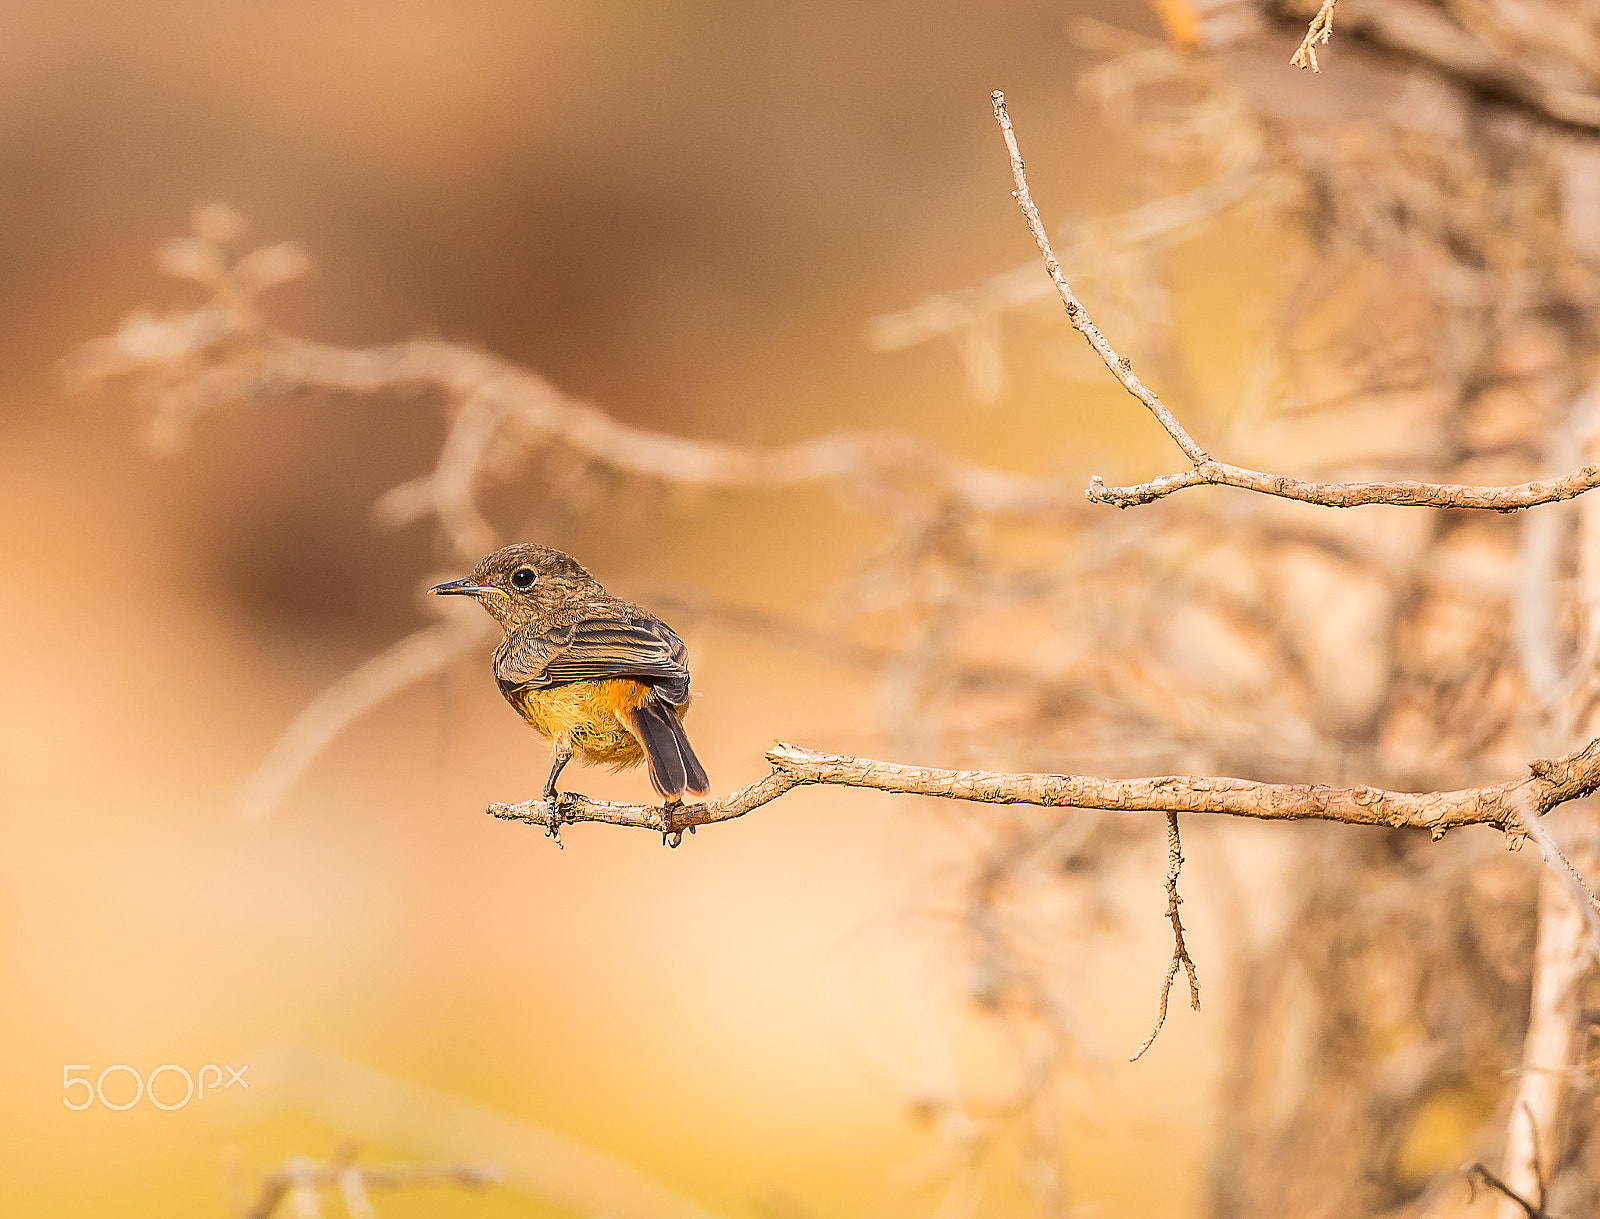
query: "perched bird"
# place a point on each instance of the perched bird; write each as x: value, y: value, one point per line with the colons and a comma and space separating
x: 598, y: 676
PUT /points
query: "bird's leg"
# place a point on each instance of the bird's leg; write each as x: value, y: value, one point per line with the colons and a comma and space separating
x: 563, y: 755
x: 552, y: 815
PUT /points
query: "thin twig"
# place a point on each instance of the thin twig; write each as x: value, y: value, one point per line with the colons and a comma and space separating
x: 1321, y: 30
x: 1180, y: 950
x: 1556, y: 860
x: 1208, y: 472
x: 1548, y: 784
x: 1121, y: 367
x: 1478, y: 1172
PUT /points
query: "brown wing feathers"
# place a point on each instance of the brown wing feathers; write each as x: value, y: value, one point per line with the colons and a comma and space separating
x: 596, y: 649
x: 599, y: 649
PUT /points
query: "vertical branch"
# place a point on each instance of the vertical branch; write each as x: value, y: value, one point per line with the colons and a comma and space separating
x: 1566, y: 938
x: 1533, y: 1145
x: 1541, y: 646
x: 1180, y: 950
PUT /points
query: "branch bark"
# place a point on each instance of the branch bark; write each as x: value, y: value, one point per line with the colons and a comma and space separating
x: 1548, y: 784
x: 1405, y: 493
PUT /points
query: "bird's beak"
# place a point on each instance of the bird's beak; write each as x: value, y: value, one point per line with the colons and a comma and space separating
x: 464, y: 587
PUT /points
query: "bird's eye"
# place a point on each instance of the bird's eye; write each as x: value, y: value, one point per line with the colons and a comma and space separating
x: 522, y: 579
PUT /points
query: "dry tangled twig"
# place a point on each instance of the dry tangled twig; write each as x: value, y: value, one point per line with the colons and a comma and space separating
x: 1180, y: 949
x: 1320, y: 30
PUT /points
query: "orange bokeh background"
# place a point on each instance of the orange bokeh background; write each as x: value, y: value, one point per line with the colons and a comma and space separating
x: 686, y: 214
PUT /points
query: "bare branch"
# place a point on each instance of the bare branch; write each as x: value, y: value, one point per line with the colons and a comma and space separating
x: 198, y: 362
x: 1320, y: 30
x: 1568, y: 926
x: 1563, y: 869
x: 1121, y: 367
x: 1206, y: 471
x: 1549, y: 783
x: 304, y: 1176
x: 1404, y: 493
x: 535, y: 405
x: 1562, y: 961
x: 1180, y: 950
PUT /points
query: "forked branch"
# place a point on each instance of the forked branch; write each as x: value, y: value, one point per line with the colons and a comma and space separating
x: 1206, y: 471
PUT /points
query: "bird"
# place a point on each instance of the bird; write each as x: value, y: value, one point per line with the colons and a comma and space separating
x: 597, y: 676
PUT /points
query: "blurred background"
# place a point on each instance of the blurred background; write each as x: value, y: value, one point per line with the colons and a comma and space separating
x: 711, y: 221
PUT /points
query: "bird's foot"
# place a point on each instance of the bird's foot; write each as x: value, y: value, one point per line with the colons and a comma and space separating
x: 671, y: 833
x: 552, y: 816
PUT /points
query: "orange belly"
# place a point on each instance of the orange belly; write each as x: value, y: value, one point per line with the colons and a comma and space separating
x: 591, y: 715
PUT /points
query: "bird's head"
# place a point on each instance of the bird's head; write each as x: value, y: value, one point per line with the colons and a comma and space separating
x: 523, y: 583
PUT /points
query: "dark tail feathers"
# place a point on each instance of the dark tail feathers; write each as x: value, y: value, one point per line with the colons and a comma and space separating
x: 673, y: 767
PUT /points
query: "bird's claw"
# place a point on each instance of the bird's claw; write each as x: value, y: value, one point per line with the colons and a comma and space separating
x: 553, y: 818
x: 671, y: 834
